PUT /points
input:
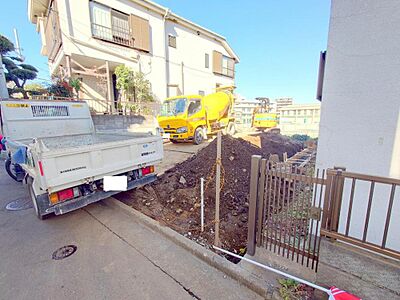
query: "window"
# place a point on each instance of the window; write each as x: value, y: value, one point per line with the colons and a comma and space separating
x: 201, y: 93
x: 228, y: 66
x: 109, y: 24
x: 120, y: 27
x: 172, y: 41
x: 50, y: 111
x: 194, y: 107
x: 223, y: 65
x: 207, y: 61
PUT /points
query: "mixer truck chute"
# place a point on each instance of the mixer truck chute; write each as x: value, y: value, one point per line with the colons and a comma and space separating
x: 193, y: 117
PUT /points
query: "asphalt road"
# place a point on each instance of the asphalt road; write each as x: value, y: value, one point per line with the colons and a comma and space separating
x: 116, y: 258
x: 176, y: 153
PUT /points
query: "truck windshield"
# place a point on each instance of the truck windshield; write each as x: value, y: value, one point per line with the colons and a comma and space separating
x: 173, y: 107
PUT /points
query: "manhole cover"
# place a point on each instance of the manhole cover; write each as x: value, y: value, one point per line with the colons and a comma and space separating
x: 19, y: 204
x: 64, y: 252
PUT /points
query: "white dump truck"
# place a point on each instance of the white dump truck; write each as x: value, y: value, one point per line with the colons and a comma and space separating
x: 54, y: 148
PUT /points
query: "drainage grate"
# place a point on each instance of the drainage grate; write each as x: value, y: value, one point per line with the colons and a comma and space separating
x: 64, y: 252
x: 19, y: 204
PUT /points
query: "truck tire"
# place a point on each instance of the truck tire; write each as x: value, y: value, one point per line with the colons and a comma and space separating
x: 10, y: 168
x: 198, y: 136
x: 173, y: 141
x: 37, y: 205
x: 231, y: 128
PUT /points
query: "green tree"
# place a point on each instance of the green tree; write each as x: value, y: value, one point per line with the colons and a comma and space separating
x: 76, y: 84
x: 133, y: 85
x: 16, y: 72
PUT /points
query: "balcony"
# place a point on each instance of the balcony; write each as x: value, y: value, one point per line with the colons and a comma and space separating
x: 116, y: 35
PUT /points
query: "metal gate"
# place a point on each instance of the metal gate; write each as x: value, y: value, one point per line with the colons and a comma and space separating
x: 291, y: 207
x: 285, y: 210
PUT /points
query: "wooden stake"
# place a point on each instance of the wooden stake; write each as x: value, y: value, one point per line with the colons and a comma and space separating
x: 217, y: 189
x: 202, y: 203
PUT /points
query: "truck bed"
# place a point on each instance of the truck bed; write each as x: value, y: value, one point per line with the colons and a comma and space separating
x: 70, y: 160
x: 74, y: 141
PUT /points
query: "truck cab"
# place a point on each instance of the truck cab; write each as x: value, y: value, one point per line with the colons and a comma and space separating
x: 180, y: 117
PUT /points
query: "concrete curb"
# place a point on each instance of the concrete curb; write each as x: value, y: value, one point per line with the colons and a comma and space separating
x: 241, y: 275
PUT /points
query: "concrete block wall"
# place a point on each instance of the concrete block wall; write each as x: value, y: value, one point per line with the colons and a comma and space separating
x: 133, y: 123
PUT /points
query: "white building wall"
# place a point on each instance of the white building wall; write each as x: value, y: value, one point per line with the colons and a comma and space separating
x: 360, y: 124
x: 191, y: 49
x: 75, y: 23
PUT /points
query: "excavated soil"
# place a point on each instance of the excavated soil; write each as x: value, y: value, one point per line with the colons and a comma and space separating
x: 174, y: 199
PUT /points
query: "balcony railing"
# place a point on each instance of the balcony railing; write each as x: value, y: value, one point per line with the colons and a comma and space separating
x: 117, y: 35
x: 121, y: 107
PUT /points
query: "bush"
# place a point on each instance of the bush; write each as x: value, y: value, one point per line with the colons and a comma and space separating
x: 133, y: 85
x: 60, y: 88
x: 301, y: 137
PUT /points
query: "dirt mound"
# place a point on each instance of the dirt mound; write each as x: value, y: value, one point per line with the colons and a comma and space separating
x: 272, y: 143
x: 174, y: 199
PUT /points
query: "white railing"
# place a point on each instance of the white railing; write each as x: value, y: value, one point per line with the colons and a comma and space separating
x: 122, y: 107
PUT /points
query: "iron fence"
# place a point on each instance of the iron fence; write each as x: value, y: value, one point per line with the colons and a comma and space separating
x: 121, y: 107
x: 343, y: 223
x: 114, y: 34
x: 288, y: 204
x: 292, y: 207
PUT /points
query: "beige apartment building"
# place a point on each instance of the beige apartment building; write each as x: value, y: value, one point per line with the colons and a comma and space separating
x: 244, y: 111
x: 300, y: 119
x: 279, y: 103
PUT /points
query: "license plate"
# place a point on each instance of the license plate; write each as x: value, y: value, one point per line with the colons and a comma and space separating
x: 166, y: 135
x: 115, y: 183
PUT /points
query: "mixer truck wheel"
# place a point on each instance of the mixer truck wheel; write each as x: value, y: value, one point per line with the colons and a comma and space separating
x: 231, y: 129
x: 198, y: 136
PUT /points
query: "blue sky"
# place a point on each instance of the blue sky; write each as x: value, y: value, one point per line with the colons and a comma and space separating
x: 278, y: 42
x: 13, y: 14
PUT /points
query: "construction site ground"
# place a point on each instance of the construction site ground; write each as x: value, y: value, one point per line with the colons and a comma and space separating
x: 117, y: 256
x: 174, y: 199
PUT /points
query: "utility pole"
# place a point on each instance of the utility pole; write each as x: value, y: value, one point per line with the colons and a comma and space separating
x: 3, y: 83
x: 18, y: 49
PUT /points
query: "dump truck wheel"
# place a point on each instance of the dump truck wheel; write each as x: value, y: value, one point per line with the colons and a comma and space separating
x: 231, y: 128
x: 37, y: 206
x: 10, y: 168
x: 198, y: 136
